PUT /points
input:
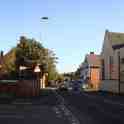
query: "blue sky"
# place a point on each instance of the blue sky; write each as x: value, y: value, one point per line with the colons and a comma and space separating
x: 74, y: 28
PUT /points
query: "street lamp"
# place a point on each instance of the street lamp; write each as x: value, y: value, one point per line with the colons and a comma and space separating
x: 43, y: 19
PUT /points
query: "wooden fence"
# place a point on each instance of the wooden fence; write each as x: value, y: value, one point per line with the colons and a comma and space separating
x: 25, y: 88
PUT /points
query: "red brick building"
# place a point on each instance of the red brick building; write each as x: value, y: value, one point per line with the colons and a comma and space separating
x: 90, y: 70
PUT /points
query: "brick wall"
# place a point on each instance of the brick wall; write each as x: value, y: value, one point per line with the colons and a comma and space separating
x: 28, y: 88
x: 25, y: 88
x: 8, y: 88
x: 111, y: 86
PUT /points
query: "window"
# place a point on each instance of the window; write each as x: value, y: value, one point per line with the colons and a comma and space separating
x: 111, y: 60
x: 122, y: 60
x: 103, y: 70
x: 111, y: 66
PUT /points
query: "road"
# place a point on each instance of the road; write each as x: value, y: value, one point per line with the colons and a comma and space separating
x: 55, y: 107
x: 94, y: 108
x: 45, y: 109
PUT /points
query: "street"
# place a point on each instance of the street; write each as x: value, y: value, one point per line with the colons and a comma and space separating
x: 40, y: 110
x: 94, y: 108
x: 63, y: 107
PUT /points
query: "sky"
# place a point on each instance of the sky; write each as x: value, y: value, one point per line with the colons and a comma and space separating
x: 74, y: 28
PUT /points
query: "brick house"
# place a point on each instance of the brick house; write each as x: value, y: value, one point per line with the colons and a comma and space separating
x: 90, y: 70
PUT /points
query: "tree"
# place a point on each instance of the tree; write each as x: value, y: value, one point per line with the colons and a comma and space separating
x: 51, y: 63
x: 29, y: 49
x: 32, y: 51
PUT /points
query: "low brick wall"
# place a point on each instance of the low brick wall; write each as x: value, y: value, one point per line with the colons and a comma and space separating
x: 111, y: 86
x: 8, y: 88
x: 28, y: 88
x: 122, y: 87
x: 24, y: 88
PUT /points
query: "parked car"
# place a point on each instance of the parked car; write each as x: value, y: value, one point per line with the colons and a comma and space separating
x: 62, y: 87
x: 77, y: 85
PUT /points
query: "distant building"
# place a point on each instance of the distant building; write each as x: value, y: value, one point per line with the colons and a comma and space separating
x: 113, y: 62
x: 90, y: 70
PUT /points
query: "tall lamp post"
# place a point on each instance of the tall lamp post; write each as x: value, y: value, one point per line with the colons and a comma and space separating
x: 43, y: 19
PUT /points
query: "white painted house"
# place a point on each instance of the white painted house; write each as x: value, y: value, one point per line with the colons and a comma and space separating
x: 113, y: 62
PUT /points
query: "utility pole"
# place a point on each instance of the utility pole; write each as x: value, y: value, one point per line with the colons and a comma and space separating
x: 42, y: 20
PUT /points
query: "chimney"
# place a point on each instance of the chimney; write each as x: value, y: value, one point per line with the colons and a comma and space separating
x: 1, y: 54
x: 91, y: 52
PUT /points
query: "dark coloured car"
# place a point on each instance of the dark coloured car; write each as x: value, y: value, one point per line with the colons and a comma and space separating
x: 62, y: 87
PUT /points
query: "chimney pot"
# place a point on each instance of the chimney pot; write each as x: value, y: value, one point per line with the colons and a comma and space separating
x: 91, y: 52
x: 1, y: 53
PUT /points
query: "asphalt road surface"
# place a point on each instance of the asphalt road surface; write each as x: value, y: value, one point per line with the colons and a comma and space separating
x: 63, y: 107
x: 95, y: 108
x: 45, y: 109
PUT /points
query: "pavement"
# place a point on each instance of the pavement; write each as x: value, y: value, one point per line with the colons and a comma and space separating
x: 108, y: 95
x: 64, y: 107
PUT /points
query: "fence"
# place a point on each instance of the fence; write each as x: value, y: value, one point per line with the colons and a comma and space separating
x: 112, y: 86
x: 20, y: 88
x: 28, y: 88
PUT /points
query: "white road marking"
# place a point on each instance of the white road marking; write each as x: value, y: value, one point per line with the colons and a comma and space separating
x: 72, y: 119
x: 66, y: 112
x: 57, y: 111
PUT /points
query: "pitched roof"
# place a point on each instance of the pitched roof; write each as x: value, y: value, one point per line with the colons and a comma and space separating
x: 93, y: 59
x: 117, y: 39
